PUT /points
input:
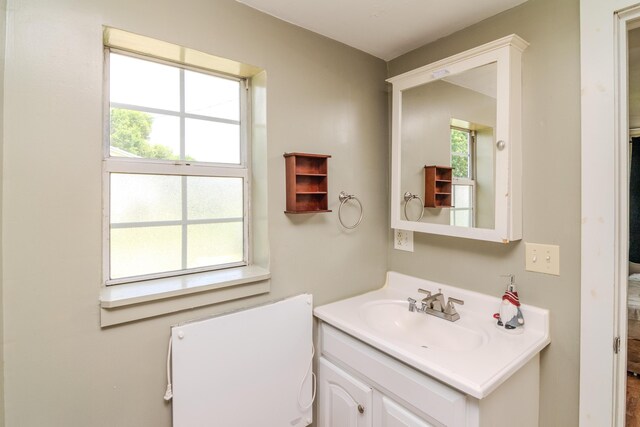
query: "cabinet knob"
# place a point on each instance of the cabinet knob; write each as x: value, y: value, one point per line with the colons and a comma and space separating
x: 361, y: 409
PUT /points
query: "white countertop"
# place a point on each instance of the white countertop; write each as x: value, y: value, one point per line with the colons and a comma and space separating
x: 475, y: 369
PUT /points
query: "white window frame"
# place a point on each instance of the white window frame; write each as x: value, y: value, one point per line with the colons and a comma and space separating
x: 134, y: 301
x: 470, y: 181
x: 176, y: 168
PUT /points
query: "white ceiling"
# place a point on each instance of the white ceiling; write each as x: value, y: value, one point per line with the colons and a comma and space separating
x: 383, y: 28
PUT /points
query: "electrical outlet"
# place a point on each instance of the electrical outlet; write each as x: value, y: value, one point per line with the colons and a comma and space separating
x: 542, y: 258
x: 403, y: 240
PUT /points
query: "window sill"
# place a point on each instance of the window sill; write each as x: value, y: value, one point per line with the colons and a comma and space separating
x: 134, y: 301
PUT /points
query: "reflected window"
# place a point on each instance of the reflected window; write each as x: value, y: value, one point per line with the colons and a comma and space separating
x: 463, y: 186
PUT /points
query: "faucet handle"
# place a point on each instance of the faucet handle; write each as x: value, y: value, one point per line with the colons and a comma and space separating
x: 450, y: 308
x: 424, y: 291
x: 412, y: 304
x: 425, y: 301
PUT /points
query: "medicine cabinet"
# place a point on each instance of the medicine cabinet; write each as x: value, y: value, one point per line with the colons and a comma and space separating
x: 462, y: 112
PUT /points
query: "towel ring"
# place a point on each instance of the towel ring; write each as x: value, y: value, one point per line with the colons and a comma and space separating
x: 409, y: 197
x: 344, y: 198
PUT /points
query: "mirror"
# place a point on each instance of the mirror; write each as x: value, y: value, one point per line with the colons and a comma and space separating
x: 451, y: 122
x: 455, y: 145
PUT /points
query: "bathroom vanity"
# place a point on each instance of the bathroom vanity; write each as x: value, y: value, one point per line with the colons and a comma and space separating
x: 382, y: 365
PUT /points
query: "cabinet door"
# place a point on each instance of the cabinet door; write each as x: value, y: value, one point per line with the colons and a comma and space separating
x: 394, y: 415
x: 344, y: 401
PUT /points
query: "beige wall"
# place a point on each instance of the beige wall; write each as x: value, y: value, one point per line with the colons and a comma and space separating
x: 485, y: 178
x: 322, y: 97
x: 551, y: 191
x: 61, y: 368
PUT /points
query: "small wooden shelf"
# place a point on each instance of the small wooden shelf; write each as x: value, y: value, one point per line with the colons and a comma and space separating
x: 306, y: 183
x: 307, y: 212
x: 437, y: 186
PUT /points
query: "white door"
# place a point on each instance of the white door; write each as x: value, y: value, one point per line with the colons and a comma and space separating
x: 344, y: 400
x: 394, y: 415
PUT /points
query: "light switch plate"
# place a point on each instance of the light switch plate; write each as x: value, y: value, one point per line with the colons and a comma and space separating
x: 542, y: 258
x: 403, y: 240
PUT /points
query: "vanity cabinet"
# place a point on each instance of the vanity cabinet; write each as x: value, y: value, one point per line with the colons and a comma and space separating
x: 344, y: 400
x: 360, y: 386
x: 392, y: 414
x: 347, y: 402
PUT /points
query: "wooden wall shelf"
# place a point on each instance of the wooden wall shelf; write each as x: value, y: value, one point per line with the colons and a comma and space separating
x: 306, y: 183
x: 437, y: 186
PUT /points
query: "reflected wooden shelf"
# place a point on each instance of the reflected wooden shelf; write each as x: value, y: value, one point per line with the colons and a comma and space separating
x: 437, y: 186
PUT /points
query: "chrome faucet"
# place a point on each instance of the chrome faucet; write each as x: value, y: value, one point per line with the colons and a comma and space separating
x: 434, y: 305
x: 433, y: 302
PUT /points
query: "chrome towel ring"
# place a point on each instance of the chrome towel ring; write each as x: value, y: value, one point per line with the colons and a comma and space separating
x: 409, y: 197
x: 344, y: 198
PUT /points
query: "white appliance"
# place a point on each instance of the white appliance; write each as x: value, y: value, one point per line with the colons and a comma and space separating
x: 246, y: 368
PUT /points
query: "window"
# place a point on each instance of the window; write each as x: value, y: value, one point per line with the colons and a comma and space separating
x: 462, y: 161
x: 176, y: 170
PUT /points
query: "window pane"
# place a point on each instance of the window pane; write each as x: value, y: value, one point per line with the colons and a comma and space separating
x: 145, y: 198
x: 214, y: 198
x: 211, y: 96
x: 462, y: 196
x: 146, y: 250
x: 212, y: 244
x: 461, y: 218
x: 141, y: 134
x: 460, y: 153
x: 170, y: 223
x: 459, y: 142
x: 144, y: 83
x: 207, y: 141
x: 460, y: 166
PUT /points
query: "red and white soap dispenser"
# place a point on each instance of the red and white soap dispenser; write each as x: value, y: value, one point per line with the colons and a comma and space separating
x: 510, y: 318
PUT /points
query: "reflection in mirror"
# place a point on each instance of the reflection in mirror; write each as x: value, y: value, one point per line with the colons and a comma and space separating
x: 450, y: 123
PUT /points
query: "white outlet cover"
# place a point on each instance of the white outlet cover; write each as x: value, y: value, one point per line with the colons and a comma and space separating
x: 403, y: 240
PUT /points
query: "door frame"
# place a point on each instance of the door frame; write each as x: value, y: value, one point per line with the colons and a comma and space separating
x: 604, y: 253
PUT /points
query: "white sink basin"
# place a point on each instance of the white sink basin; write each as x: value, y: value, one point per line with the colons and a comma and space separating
x: 394, y: 320
x: 470, y: 354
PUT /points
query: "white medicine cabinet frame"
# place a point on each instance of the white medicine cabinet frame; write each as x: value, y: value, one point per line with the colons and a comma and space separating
x: 506, y: 55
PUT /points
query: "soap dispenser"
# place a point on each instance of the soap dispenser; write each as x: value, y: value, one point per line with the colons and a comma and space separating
x: 510, y: 317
